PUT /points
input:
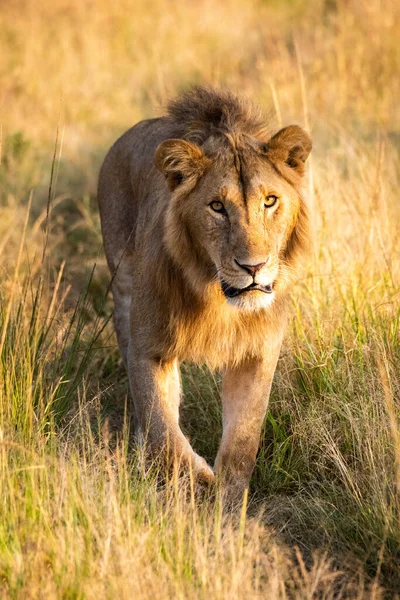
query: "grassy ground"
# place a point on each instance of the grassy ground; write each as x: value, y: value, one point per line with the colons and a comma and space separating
x: 80, y: 517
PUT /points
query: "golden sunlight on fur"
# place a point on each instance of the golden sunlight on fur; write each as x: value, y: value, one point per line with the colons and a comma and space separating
x: 203, y: 222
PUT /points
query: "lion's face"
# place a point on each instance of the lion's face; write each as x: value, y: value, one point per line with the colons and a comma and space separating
x: 239, y: 209
x: 244, y: 226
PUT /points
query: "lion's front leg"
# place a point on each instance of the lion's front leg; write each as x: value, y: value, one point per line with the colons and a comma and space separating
x: 245, y: 395
x: 155, y: 387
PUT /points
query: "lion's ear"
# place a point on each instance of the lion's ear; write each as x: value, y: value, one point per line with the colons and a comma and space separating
x: 291, y: 146
x: 179, y: 160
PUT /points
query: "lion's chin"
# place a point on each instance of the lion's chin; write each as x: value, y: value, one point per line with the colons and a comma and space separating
x: 254, y: 297
x: 252, y: 300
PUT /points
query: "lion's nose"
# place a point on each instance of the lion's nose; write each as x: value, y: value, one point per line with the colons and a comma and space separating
x: 252, y: 269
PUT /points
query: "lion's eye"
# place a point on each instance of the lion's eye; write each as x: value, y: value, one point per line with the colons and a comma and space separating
x: 217, y: 206
x: 270, y: 200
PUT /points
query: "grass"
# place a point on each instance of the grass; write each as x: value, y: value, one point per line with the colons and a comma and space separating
x: 81, y: 516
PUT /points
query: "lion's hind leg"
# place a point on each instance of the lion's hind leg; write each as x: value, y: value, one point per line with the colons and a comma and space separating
x: 121, y: 286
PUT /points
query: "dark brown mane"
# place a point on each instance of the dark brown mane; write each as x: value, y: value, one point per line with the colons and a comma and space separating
x: 204, y: 111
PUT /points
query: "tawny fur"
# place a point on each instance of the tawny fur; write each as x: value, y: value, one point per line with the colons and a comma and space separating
x: 169, y: 253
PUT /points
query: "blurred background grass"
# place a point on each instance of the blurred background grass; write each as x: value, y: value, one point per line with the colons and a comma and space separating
x: 80, y: 517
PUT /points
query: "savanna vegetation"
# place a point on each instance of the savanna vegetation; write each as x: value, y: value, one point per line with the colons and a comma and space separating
x: 81, y: 514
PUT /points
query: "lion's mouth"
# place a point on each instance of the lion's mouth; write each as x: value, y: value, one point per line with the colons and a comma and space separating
x: 231, y: 292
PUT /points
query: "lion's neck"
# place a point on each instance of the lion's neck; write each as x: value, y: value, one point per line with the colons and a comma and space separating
x: 205, y: 328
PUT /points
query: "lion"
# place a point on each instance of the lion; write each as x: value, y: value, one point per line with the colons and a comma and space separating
x: 203, y: 223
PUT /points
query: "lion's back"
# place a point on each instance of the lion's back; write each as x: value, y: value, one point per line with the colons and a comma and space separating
x: 127, y: 177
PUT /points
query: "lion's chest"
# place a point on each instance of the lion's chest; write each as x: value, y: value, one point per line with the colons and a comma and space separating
x: 221, y: 338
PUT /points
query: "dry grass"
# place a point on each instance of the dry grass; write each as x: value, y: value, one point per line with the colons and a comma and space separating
x: 80, y: 517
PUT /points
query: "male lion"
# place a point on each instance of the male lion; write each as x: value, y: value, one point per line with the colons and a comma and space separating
x: 203, y: 221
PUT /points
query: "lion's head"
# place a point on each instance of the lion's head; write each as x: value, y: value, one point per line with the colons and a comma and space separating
x: 236, y: 215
